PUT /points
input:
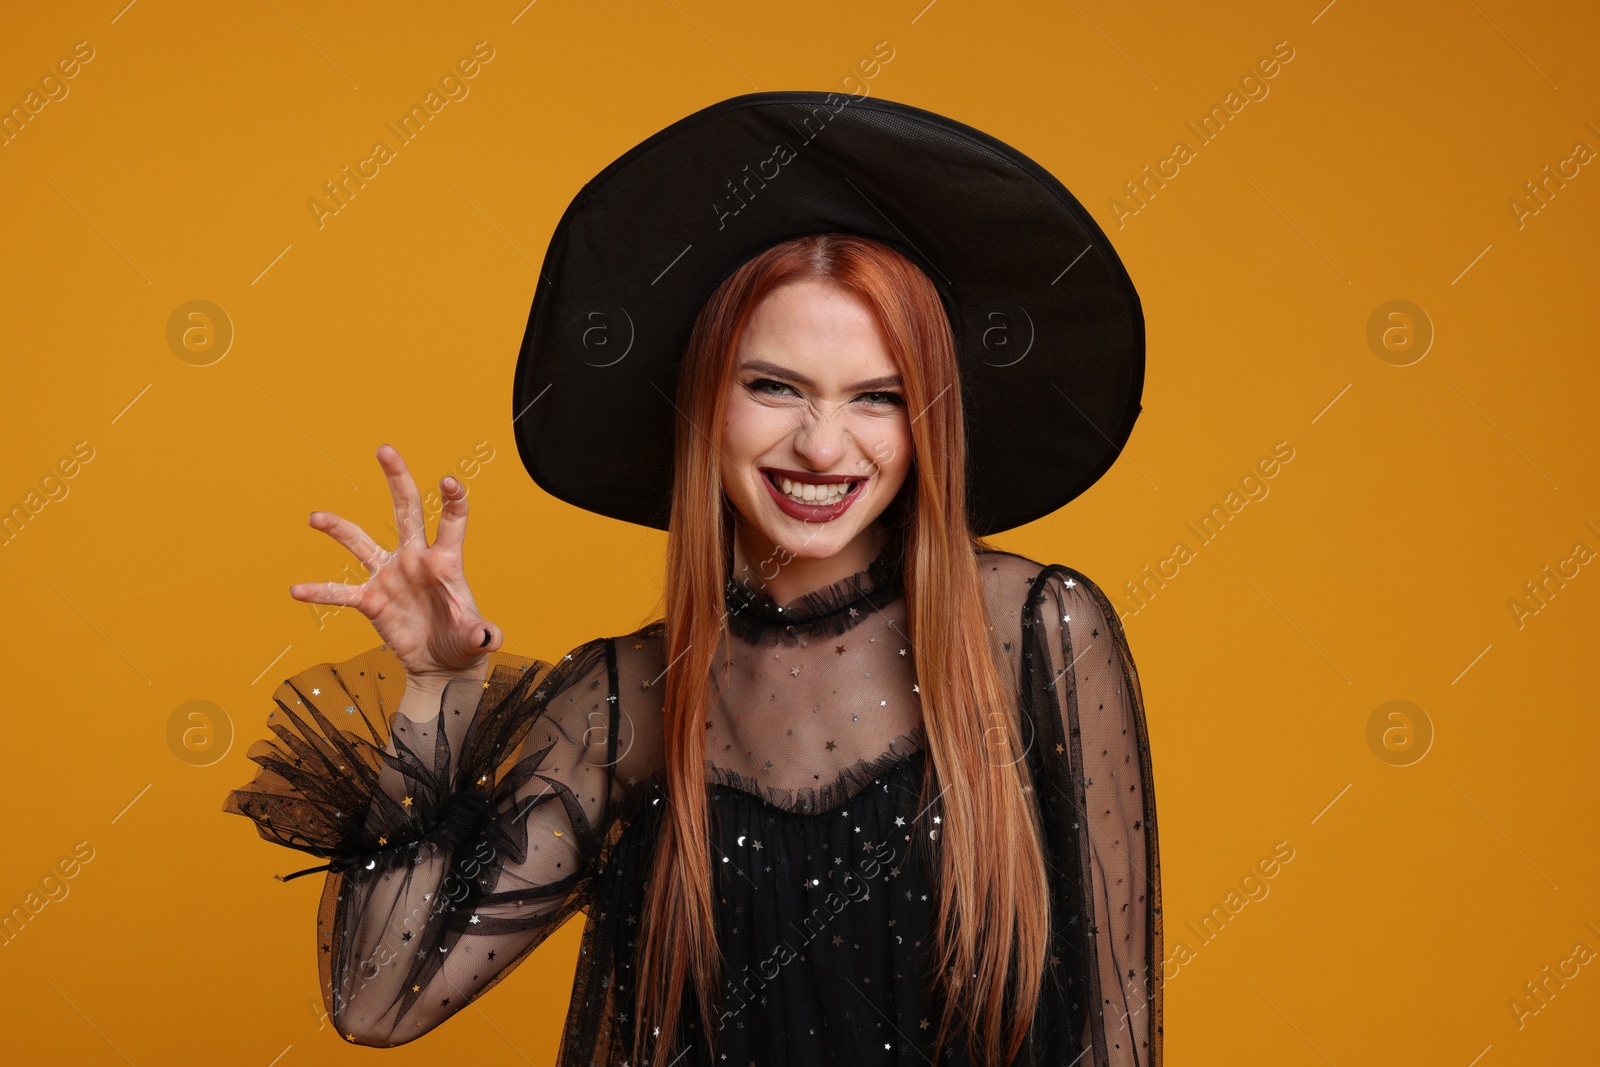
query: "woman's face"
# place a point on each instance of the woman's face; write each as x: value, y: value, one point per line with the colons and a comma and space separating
x: 816, y: 440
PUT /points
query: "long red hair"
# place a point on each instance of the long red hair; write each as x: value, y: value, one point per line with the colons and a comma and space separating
x: 992, y: 925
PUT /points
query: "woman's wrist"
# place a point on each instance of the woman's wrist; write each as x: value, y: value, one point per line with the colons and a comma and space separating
x: 425, y: 691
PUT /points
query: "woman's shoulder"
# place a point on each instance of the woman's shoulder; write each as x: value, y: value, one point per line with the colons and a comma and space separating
x: 643, y: 643
x: 1011, y: 574
x: 627, y: 668
x: 1015, y: 585
x: 635, y: 650
x: 1001, y: 569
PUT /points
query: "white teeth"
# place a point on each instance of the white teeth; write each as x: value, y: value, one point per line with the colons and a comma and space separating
x: 806, y: 493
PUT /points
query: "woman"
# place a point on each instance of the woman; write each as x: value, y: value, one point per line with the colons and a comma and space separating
x: 869, y: 789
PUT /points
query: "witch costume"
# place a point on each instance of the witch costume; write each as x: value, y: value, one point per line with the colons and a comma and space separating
x: 539, y: 792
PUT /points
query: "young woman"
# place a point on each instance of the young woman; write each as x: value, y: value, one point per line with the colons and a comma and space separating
x: 869, y: 790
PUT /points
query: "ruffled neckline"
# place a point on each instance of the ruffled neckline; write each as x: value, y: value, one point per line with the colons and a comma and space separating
x: 755, y: 616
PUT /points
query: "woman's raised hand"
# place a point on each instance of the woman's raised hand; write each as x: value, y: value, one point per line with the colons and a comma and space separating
x: 416, y: 597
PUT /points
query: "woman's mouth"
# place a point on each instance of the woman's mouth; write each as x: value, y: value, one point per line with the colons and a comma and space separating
x: 809, y: 501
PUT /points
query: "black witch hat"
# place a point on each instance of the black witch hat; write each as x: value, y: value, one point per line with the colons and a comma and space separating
x: 1049, y: 331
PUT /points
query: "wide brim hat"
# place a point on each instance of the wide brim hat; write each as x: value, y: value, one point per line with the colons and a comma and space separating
x: 1048, y: 328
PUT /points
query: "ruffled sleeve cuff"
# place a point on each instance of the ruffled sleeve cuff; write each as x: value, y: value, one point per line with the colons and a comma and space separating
x: 319, y: 789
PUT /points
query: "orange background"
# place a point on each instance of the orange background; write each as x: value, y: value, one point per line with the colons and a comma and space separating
x: 1381, y: 564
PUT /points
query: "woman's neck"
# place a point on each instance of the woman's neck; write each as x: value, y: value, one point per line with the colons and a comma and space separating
x: 786, y: 577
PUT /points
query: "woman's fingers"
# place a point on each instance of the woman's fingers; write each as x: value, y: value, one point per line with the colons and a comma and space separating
x: 339, y: 594
x: 407, y: 501
x: 453, y: 520
x: 416, y: 598
x: 351, y: 536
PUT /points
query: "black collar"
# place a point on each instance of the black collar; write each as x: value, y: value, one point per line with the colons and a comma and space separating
x: 757, y: 617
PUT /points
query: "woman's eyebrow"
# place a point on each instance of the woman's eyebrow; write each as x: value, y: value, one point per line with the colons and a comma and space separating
x: 784, y: 372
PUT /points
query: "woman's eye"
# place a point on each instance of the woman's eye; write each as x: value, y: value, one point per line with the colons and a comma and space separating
x: 772, y: 387
x: 760, y: 386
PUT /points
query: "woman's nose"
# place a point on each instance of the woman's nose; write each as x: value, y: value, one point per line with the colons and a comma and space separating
x: 821, y: 439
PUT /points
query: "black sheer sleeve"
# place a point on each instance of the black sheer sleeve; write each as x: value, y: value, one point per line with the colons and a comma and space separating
x: 1083, y: 678
x: 455, y: 847
x: 1088, y: 750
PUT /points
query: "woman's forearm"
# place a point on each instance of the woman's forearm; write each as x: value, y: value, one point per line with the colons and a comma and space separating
x: 381, y: 913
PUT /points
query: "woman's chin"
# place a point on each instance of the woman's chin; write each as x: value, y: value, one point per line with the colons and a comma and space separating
x: 815, y: 550
x: 813, y: 541
x: 797, y: 539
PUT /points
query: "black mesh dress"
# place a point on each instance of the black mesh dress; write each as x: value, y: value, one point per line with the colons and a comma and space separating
x: 538, y: 793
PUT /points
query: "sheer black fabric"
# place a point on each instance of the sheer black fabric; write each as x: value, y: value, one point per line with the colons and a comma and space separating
x: 538, y: 793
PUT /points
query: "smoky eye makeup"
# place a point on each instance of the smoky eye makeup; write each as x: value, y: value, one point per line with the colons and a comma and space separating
x: 759, y: 386
x: 888, y: 396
